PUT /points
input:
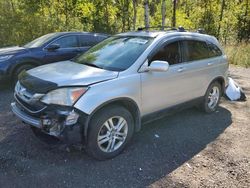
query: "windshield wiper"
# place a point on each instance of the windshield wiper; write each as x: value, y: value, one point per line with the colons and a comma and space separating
x: 92, y: 65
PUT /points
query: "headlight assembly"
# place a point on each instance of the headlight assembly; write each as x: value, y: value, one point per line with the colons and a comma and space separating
x: 5, y: 57
x: 64, y: 96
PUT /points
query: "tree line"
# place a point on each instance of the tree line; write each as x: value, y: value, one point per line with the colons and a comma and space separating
x: 24, y: 20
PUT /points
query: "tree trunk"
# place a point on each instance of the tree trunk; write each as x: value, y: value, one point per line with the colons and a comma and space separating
x: 135, y: 13
x: 174, y: 14
x: 106, y: 14
x: 146, y: 13
x: 13, y: 6
x: 221, y: 16
x: 163, y: 13
x: 246, y: 12
x: 66, y: 15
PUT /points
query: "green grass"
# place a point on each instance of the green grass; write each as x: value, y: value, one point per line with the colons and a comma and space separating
x: 238, y: 54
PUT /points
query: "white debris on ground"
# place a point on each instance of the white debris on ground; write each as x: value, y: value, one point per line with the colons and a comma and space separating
x: 233, y: 91
x: 188, y: 165
x: 157, y: 136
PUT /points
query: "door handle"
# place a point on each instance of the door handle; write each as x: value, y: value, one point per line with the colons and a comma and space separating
x: 209, y: 64
x: 181, y: 69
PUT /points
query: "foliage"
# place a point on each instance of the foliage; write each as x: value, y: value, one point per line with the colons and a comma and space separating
x: 238, y: 54
x: 24, y: 20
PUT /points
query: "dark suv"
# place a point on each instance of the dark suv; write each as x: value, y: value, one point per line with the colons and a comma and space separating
x: 49, y: 48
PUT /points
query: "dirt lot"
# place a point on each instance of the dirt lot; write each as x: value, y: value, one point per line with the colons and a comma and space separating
x: 188, y: 149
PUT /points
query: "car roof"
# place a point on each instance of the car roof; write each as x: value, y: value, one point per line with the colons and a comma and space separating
x: 152, y: 34
x: 78, y: 32
x: 171, y: 33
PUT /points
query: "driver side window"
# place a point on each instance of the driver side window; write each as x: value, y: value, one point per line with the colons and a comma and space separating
x: 67, y: 41
x: 169, y: 53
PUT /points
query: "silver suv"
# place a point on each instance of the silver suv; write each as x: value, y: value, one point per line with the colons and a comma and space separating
x: 102, y: 97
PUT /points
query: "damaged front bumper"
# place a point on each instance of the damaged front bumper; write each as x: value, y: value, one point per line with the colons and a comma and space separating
x: 62, y: 123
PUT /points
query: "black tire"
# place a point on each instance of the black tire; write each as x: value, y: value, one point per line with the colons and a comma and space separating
x: 205, y: 104
x: 19, y: 70
x: 97, y: 125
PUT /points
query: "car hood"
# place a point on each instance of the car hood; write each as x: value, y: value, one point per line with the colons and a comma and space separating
x: 11, y: 50
x: 68, y: 73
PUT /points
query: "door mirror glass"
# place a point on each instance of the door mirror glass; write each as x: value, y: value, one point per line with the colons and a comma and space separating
x: 158, y: 66
x: 53, y: 47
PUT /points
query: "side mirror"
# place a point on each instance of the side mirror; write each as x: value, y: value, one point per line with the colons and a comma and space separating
x: 158, y: 66
x: 53, y: 47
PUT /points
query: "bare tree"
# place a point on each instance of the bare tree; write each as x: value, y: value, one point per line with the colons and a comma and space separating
x: 221, y: 16
x: 174, y: 14
x: 135, y: 13
x: 146, y: 13
x: 163, y: 13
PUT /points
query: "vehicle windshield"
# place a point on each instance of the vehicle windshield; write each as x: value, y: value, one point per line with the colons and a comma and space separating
x: 115, y: 53
x: 39, y: 41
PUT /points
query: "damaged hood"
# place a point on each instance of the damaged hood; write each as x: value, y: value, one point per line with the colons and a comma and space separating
x: 69, y: 73
x: 65, y: 73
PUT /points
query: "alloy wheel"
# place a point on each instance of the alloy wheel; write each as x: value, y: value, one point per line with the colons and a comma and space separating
x: 112, y: 134
x: 213, y: 97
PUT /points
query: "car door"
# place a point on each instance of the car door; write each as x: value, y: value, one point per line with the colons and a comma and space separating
x: 161, y: 90
x: 68, y: 48
x: 198, y: 66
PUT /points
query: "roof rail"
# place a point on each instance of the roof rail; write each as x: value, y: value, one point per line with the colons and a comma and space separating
x: 201, y: 30
x: 156, y: 27
x: 180, y: 29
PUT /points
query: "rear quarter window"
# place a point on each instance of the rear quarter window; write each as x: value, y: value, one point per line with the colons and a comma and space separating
x: 214, y: 51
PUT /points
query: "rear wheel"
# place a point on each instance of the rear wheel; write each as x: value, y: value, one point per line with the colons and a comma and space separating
x: 110, y: 130
x: 212, y: 97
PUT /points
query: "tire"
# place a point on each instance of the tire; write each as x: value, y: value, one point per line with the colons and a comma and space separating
x: 100, y: 126
x: 19, y: 70
x: 212, y: 98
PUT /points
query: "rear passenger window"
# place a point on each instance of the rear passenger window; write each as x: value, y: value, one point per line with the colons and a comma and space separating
x: 67, y: 42
x: 195, y: 50
x: 169, y: 53
x: 214, y: 51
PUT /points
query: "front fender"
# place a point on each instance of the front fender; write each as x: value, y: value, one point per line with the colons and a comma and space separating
x: 98, y: 94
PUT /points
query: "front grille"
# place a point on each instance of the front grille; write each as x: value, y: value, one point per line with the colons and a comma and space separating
x: 25, y: 98
x: 33, y: 107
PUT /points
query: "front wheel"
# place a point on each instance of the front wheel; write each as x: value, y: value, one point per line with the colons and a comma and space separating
x: 19, y: 70
x: 109, y: 132
x: 212, y: 98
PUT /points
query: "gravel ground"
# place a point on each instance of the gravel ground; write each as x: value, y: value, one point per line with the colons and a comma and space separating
x: 188, y: 149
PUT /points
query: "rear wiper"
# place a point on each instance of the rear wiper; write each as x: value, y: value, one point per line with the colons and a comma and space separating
x: 92, y: 65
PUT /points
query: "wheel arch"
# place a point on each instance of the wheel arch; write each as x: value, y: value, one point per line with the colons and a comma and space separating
x: 221, y: 81
x: 29, y: 61
x: 127, y: 103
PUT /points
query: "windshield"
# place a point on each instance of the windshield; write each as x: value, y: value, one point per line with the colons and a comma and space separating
x: 39, y: 41
x: 115, y: 53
